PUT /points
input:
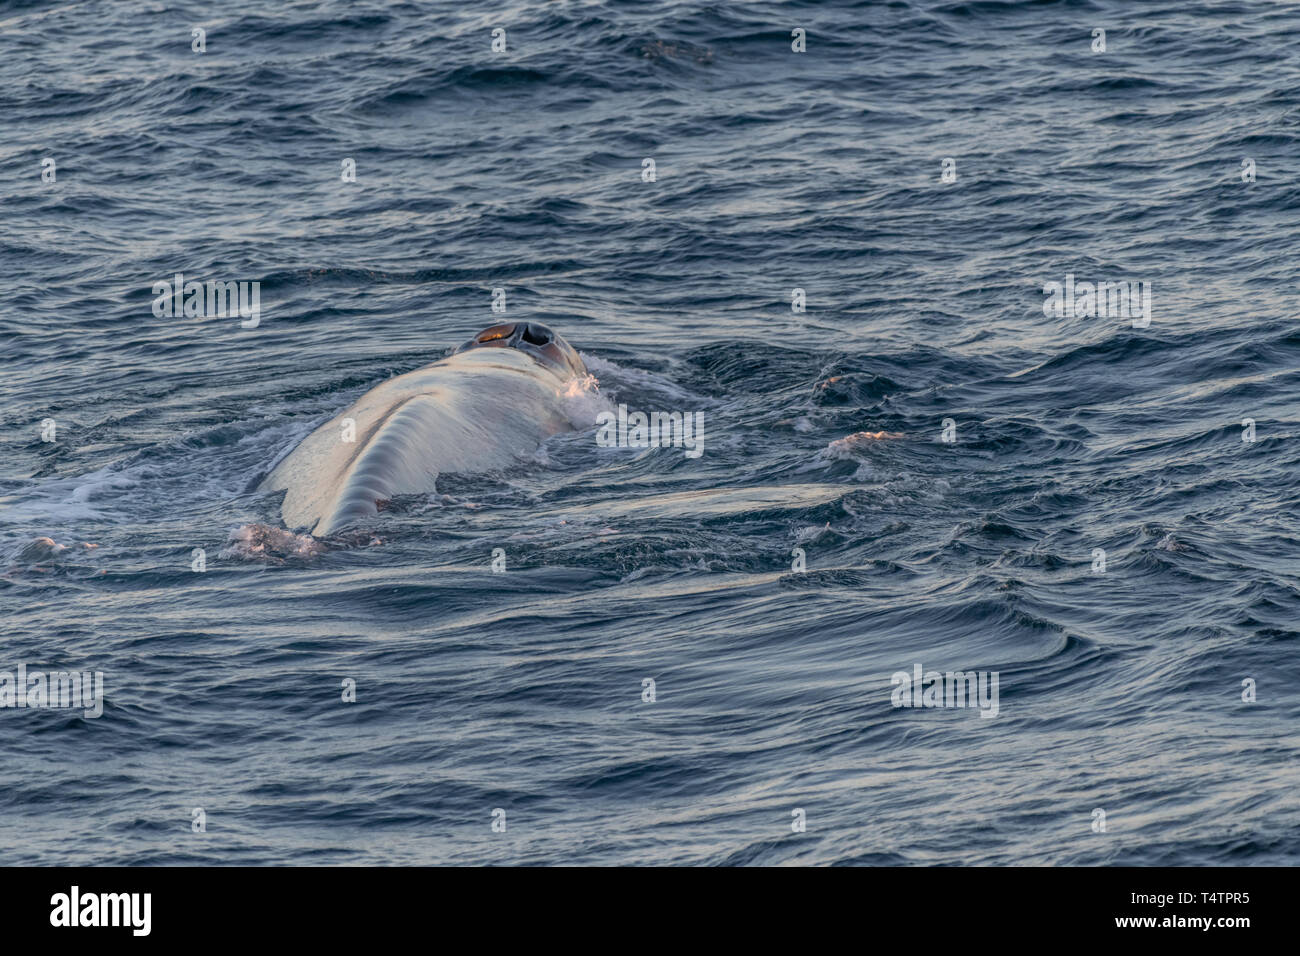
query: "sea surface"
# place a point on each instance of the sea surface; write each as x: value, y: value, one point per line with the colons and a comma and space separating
x: 1105, y: 530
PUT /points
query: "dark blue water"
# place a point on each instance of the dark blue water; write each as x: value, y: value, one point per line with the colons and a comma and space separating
x: 1120, y: 690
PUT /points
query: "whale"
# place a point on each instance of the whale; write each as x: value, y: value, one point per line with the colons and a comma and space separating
x: 480, y: 409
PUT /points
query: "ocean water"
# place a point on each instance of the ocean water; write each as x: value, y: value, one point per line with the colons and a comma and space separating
x: 1080, y: 441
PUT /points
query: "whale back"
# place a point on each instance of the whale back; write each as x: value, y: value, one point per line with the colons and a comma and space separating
x: 474, y: 411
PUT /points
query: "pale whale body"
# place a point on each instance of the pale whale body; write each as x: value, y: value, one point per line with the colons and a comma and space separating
x: 480, y: 409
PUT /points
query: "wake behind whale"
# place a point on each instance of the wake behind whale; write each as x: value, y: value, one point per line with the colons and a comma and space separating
x: 491, y: 402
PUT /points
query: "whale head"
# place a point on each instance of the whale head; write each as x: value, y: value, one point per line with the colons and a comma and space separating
x: 546, y: 347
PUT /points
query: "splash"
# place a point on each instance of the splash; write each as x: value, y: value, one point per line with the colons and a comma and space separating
x: 581, y: 401
x: 261, y: 542
x: 621, y: 377
x: 853, y: 448
x: 1170, y: 543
